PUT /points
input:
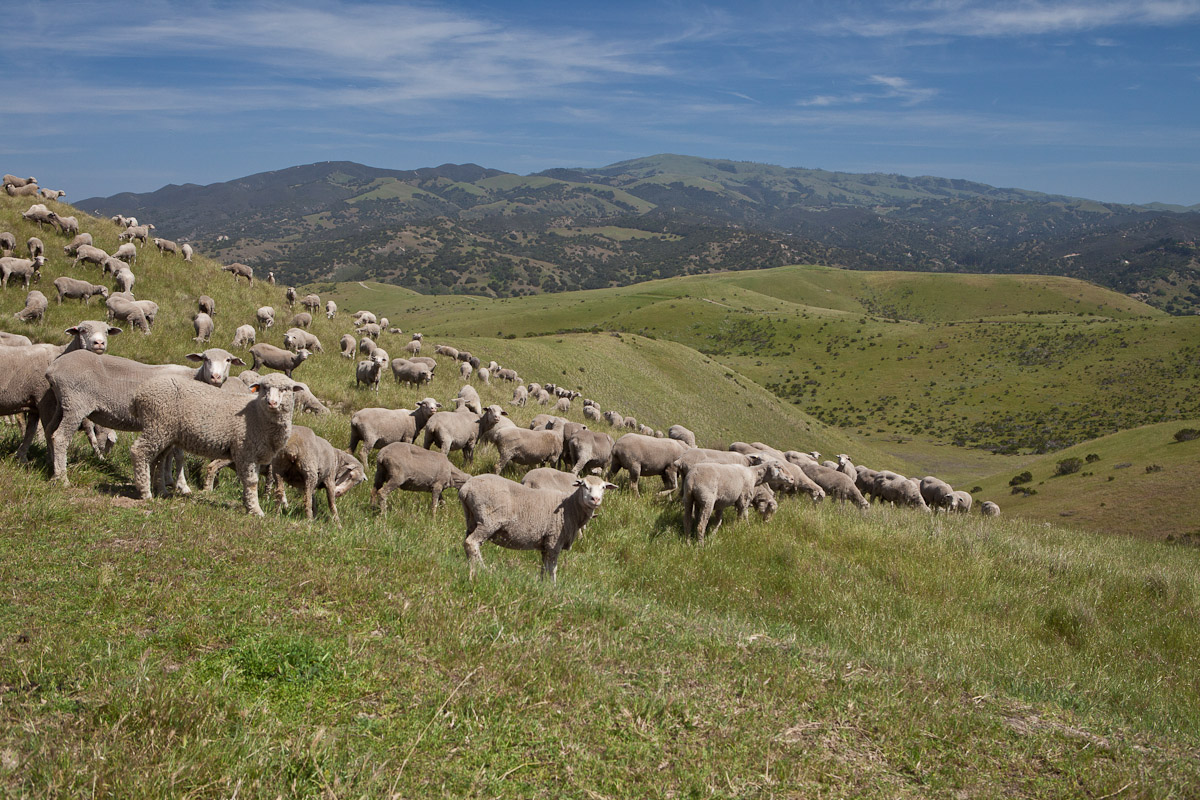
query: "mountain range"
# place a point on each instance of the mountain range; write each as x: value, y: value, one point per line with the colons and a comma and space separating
x: 464, y: 228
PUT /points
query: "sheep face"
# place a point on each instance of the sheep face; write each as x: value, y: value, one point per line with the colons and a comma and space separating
x: 215, y: 364
x: 591, y: 491
x: 350, y: 473
x: 277, y: 392
x: 93, y: 335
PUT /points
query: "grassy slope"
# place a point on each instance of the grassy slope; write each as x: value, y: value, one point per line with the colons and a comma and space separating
x: 177, y: 648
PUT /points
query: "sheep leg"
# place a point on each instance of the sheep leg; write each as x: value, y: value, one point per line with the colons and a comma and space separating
x: 437, y: 497
x: 550, y: 564
x: 310, y: 488
x: 248, y: 474
x: 210, y: 474
x: 180, y: 459
x: 477, y: 534
x: 145, y: 452
x: 501, y: 464
x: 31, y: 423
x: 62, y: 427
x: 634, y: 474
x: 669, y: 478
x: 280, y: 493
x: 688, y: 515
x: 329, y: 496
x: 706, y: 510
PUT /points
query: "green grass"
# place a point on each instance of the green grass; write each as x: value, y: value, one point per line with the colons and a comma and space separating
x: 178, y: 648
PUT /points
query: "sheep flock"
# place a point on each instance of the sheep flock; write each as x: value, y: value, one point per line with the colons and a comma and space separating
x: 570, y: 456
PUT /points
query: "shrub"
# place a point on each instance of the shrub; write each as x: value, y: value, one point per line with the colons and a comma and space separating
x: 1024, y: 477
x: 1091, y: 458
x: 1025, y: 490
x: 1068, y: 466
x: 1154, y: 468
x: 1187, y: 434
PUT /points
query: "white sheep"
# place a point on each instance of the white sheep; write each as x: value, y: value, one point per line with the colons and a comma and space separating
x: 268, y: 355
x: 514, y: 516
x: 243, y: 336
x: 265, y: 316
x: 215, y: 424
x: 308, y: 461
x: 330, y: 309
x: 645, y: 455
x: 989, y: 509
x: 203, y: 324
x: 403, y: 465
x: 26, y: 269
x: 187, y: 251
x: 378, y: 427
x: 35, y: 307
x: 78, y: 290
x: 709, y: 488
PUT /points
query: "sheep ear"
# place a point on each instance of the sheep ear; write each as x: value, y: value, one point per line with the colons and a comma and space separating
x: 113, y: 330
x: 580, y: 482
x: 237, y: 362
x: 194, y: 356
x: 74, y: 329
x: 297, y: 387
x: 253, y: 389
x: 505, y: 413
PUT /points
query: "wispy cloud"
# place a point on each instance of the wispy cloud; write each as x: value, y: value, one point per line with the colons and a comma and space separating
x: 887, y: 87
x: 1029, y: 17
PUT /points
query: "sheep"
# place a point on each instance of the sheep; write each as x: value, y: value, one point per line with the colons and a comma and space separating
x: 52, y: 194
x: 520, y: 396
x: 35, y: 247
x: 123, y: 279
x: 962, y: 502
x: 464, y: 371
x: 402, y: 465
x: 203, y: 324
x: 369, y: 372
x: 366, y: 345
x: 445, y: 350
x: 406, y: 371
x: 81, y: 239
x: 846, y: 467
x: 311, y: 301
x: 207, y: 305
x: 484, y: 374
x: 937, y: 493
x: 989, y: 509
x: 413, y: 348
x: 629, y: 423
x: 176, y: 412
x: 90, y: 254
x: 166, y: 246
x: 8, y: 242
x: 271, y: 278
x: 470, y: 398
x: 243, y: 336
x: 65, y: 225
x: 865, y: 481
x: 378, y: 427
x: 587, y: 450
x: 898, y: 490
x: 520, y: 446
x: 330, y: 309
x: 563, y: 406
x: 302, y: 320
x: 265, y: 316
x: 126, y: 252
x: 348, y: 345
x: 802, y: 483
x: 363, y: 317
x: 14, y: 340
x: 763, y: 501
x: 28, y: 190
x: 835, y: 484
x: 505, y: 374
x: 542, y: 397
x: 308, y: 461
x: 549, y: 478
x: 295, y: 338
x: 677, y: 432
x: 25, y: 269
x: 514, y: 516
x: 135, y: 232
x: 709, y: 488
x: 383, y: 324
x: 372, y: 330
x: 239, y: 270
x: 35, y: 307
x: 268, y: 355
x: 290, y: 296
x: 453, y: 430
x: 187, y: 251
x: 427, y: 361
x: 642, y: 428
x: 40, y: 214
x: 121, y: 306
x: 703, y: 455
x: 86, y: 383
x: 613, y: 418
x: 644, y: 455
x: 13, y: 180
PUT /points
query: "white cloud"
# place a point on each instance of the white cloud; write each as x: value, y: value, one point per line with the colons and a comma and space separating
x: 889, y: 87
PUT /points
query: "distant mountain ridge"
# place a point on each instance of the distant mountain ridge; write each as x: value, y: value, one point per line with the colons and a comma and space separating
x: 466, y: 228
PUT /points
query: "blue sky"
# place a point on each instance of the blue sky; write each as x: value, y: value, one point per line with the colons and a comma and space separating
x: 1095, y: 99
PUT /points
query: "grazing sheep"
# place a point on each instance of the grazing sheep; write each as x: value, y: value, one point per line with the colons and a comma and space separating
x: 330, y: 309
x: 506, y: 374
x: 803, y: 483
x: 126, y: 252
x: 176, y: 412
x: 679, y: 433
x: 514, y: 516
x: 377, y: 427
x: 135, y: 232
x: 372, y: 330
x: 470, y: 398
x: 290, y: 295
x: 348, y: 345
x: 28, y: 190
x: 35, y: 307
x: 26, y: 269
x: 588, y: 450
x: 427, y: 361
x: 123, y: 278
x: 369, y: 372
x: 243, y: 336
x: 406, y: 371
x: 846, y: 467
x: 989, y: 509
x: 65, y: 225
x: 302, y: 320
x: 308, y: 461
x: 962, y: 502
x: 78, y: 241
x: 865, y: 481
x: 39, y: 214
x: 312, y: 302
x: 484, y: 374
x: 52, y: 194
x: 295, y: 338
x: 13, y: 180
x: 520, y: 396
x: 642, y: 428
x: 521, y: 446
x: 613, y: 418
x: 8, y: 242
x: 366, y: 345
x: 239, y: 270
x: 402, y: 465
x: 445, y: 350
x: 542, y: 397
x: 898, y: 490
x: 937, y: 493
x: 271, y: 278
x: 363, y: 317
x: 123, y: 307
x: 453, y: 430
x: 187, y: 251
x: 35, y: 247
x: 835, y: 484
x: 207, y: 305
x: 763, y: 501
x: 14, y: 340
x: 268, y: 355
x: 563, y: 406
x: 413, y: 348
x: 645, y: 455
x: 710, y: 488
x: 78, y: 290
x: 265, y: 316
x: 203, y: 324
x: 89, y: 254
x: 464, y: 371
x: 166, y: 246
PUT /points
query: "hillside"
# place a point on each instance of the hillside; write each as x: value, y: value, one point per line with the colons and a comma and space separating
x: 466, y: 229
x: 176, y: 647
